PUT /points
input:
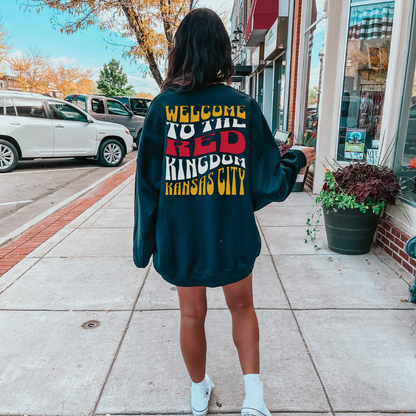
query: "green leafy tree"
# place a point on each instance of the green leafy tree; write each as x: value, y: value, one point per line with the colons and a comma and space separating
x: 113, y: 80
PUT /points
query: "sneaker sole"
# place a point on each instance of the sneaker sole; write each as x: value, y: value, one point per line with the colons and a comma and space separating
x: 200, y: 413
x: 251, y: 412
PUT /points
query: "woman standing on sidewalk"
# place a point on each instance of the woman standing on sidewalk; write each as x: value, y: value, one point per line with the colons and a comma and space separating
x: 207, y: 160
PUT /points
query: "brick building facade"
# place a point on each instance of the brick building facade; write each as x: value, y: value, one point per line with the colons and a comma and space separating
x: 9, y: 82
x: 313, y: 71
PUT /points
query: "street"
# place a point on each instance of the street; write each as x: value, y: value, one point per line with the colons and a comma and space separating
x: 36, y: 186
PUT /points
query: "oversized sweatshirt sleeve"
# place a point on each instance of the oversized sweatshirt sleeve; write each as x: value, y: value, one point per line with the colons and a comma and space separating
x: 272, y: 176
x: 148, y: 182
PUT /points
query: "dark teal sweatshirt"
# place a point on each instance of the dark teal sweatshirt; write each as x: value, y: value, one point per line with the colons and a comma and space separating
x: 206, y: 161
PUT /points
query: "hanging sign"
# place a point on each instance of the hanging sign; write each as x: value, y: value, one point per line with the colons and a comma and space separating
x: 270, y: 40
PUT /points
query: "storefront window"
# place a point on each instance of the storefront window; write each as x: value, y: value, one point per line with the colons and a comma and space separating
x: 366, y: 67
x: 315, y: 37
x: 279, y: 92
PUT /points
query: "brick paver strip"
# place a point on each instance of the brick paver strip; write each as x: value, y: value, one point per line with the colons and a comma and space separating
x: 18, y: 249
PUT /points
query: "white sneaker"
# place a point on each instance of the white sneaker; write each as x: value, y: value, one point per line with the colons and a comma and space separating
x: 254, y: 403
x: 200, y: 398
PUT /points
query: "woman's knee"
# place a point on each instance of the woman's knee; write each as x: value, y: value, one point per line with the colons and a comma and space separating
x: 193, y: 303
x: 239, y: 296
x: 242, y: 306
x: 195, y: 314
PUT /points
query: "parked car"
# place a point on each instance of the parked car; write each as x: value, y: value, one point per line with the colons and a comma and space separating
x: 108, y: 109
x: 137, y: 105
x: 34, y: 126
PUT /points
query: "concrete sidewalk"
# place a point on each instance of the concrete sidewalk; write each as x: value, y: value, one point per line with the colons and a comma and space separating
x: 336, y: 333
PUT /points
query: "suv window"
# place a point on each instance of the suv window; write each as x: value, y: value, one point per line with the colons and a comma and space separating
x: 138, y: 104
x: 29, y: 108
x: 62, y: 111
x: 97, y: 105
x: 116, y: 108
x: 10, y: 111
x: 1, y: 106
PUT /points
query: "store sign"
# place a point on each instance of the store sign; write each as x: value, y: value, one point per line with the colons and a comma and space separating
x: 276, y: 38
x: 372, y: 156
x: 354, y: 144
x: 270, y: 41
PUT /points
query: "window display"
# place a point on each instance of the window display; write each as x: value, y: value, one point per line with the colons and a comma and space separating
x: 366, y: 67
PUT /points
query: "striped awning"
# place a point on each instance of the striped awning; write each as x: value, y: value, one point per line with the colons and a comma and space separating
x: 371, y: 23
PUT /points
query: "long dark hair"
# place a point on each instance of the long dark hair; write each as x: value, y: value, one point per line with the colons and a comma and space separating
x: 201, y: 53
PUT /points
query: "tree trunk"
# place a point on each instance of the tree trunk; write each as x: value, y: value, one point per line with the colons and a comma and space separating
x: 134, y: 20
x: 167, y: 26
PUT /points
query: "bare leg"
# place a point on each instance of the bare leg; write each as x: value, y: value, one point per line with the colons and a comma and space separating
x: 239, y: 298
x: 193, y: 305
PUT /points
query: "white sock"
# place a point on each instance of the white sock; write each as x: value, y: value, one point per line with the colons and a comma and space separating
x: 254, y: 394
x: 200, y: 385
x: 253, y: 387
x: 251, y: 378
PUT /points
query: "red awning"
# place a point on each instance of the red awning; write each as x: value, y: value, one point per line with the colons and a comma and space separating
x: 263, y: 14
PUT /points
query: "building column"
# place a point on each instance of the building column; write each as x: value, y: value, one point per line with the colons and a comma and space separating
x: 332, y: 80
x: 297, y: 17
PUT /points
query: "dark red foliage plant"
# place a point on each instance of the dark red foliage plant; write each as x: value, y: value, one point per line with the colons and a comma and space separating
x: 365, y: 181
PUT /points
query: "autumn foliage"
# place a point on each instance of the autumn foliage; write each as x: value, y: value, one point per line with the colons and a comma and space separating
x: 145, y: 95
x: 4, y: 46
x: 35, y: 72
x: 72, y: 80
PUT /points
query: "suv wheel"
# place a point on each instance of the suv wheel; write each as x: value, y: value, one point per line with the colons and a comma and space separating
x: 8, y: 156
x: 111, y: 153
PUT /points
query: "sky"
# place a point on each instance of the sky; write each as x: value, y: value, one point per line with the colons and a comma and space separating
x: 88, y: 48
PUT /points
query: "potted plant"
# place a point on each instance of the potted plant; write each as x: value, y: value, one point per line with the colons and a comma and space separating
x: 352, y: 199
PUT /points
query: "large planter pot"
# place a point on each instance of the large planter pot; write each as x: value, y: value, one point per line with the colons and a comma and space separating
x: 350, y: 231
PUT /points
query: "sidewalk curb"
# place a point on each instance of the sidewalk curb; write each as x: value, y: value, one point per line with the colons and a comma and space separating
x: 9, y: 237
x: 39, y: 230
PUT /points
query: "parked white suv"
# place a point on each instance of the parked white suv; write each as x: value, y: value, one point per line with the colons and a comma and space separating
x: 33, y: 126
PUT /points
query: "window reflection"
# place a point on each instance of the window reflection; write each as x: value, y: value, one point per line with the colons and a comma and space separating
x: 315, y: 11
x: 366, y: 67
x: 314, y: 66
x: 405, y: 163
